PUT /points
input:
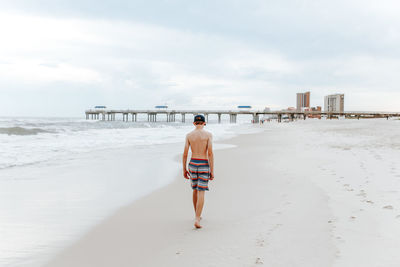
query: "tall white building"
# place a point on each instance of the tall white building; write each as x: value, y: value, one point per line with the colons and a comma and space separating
x: 334, y: 103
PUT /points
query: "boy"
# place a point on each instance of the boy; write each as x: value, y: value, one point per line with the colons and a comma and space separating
x: 201, y: 165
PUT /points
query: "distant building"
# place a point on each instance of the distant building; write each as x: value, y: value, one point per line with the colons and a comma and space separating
x: 314, y: 109
x: 334, y: 103
x: 317, y: 108
x: 303, y: 101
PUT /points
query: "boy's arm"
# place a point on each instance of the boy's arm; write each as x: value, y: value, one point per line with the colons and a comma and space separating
x: 184, y: 158
x: 210, y: 156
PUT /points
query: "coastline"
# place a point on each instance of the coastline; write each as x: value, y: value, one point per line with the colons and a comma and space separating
x: 47, y: 206
x: 309, y: 193
x: 303, y: 194
x: 244, y: 223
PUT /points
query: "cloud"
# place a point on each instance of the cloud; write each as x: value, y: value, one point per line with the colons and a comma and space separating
x: 202, y: 53
x: 30, y: 72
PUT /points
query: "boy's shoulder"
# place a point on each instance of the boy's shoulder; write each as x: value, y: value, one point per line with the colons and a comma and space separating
x: 190, y: 133
x: 194, y: 132
x: 209, y: 133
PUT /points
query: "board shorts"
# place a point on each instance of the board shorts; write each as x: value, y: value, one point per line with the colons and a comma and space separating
x: 199, y: 174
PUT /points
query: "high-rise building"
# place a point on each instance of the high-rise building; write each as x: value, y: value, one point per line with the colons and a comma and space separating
x: 334, y: 103
x: 303, y: 100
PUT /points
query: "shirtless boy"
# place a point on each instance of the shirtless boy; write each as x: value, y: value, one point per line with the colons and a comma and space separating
x: 201, y: 165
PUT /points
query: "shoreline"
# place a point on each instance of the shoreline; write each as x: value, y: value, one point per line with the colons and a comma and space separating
x: 308, y: 194
x: 67, y: 198
x: 48, y: 206
x: 301, y: 194
x: 157, y: 230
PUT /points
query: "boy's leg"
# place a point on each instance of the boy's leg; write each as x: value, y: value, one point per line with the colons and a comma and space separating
x: 194, y: 199
x: 199, y: 208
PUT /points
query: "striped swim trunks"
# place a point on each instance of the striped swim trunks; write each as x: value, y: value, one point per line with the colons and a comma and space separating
x: 199, y: 174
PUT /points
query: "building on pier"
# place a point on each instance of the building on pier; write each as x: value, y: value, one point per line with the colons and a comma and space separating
x: 161, y: 107
x: 244, y: 107
x: 100, y: 107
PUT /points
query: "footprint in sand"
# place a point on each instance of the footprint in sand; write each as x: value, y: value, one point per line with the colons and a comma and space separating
x: 339, y: 239
x: 260, y: 242
x: 369, y: 202
x: 353, y: 217
x: 276, y: 226
x: 388, y: 207
x: 348, y: 188
x: 362, y: 194
x: 259, y: 261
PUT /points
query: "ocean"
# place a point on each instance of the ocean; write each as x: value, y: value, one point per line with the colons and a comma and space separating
x: 33, y: 140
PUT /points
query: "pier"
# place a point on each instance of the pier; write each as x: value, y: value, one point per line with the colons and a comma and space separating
x: 171, y: 115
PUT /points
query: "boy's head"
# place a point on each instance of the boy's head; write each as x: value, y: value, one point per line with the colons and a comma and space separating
x: 199, y: 120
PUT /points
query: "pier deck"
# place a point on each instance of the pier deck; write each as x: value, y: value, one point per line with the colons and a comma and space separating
x: 109, y: 115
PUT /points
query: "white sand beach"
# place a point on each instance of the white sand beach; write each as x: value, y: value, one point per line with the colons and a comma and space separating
x: 309, y: 193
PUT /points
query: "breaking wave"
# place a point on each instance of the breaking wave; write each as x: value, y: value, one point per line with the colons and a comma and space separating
x: 22, y: 131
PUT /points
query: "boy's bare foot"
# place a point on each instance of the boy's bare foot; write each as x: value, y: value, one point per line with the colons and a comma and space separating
x: 197, y: 223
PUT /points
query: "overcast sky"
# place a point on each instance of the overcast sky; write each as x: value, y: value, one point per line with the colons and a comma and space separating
x: 58, y: 58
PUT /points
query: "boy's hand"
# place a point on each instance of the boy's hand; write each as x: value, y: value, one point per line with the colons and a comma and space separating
x: 186, y: 174
x: 212, y: 176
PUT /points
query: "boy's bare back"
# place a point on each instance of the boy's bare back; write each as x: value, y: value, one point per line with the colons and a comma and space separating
x: 200, y: 141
